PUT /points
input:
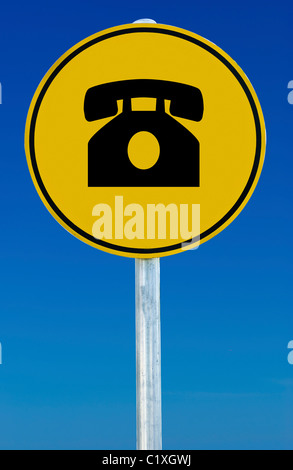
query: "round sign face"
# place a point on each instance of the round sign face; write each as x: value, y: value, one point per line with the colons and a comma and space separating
x: 145, y: 140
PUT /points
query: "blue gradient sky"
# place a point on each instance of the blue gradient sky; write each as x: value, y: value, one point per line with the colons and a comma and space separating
x: 67, y: 380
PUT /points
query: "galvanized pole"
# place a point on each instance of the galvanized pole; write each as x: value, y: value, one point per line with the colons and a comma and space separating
x: 148, y: 349
x: 148, y: 355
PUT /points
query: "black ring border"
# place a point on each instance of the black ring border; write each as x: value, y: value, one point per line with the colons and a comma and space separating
x: 143, y: 30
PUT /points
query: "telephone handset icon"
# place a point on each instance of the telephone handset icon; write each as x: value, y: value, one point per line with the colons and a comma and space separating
x: 108, y: 160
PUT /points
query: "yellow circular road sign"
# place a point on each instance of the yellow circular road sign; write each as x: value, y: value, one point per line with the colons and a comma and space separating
x: 145, y: 140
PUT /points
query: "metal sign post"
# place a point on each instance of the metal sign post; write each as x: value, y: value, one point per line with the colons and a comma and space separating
x: 148, y: 355
x: 148, y: 349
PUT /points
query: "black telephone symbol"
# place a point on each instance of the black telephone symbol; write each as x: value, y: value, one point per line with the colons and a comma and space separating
x: 108, y: 160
